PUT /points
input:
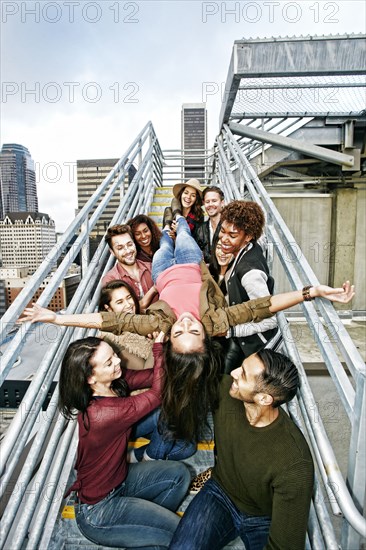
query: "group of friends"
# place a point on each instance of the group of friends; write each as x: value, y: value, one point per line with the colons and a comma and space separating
x: 187, y: 328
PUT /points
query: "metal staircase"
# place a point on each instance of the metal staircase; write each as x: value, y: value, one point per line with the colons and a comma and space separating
x: 38, y: 449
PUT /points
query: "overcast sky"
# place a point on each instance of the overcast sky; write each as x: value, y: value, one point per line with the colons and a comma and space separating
x: 80, y: 79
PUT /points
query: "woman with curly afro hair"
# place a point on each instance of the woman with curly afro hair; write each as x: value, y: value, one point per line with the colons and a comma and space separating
x: 242, y: 224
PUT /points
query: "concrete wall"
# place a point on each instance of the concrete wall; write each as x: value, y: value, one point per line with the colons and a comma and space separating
x: 330, y: 231
x: 359, y: 302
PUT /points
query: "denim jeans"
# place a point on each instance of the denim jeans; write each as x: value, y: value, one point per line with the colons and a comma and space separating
x: 161, y: 445
x: 185, y: 251
x: 140, y: 512
x: 212, y: 520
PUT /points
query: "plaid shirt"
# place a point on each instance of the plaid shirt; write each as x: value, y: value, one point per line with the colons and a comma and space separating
x: 216, y: 316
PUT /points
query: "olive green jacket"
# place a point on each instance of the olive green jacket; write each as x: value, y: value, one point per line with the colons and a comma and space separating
x: 216, y: 315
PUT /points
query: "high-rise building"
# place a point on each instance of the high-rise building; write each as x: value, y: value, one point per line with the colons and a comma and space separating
x: 90, y: 174
x: 194, y: 139
x: 14, y: 280
x: 18, y: 191
x: 25, y: 239
x: 2, y: 297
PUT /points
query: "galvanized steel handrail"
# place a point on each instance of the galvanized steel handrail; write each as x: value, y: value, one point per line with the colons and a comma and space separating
x: 147, y: 150
x: 136, y: 199
x: 23, y: 298
x: 230, y: 158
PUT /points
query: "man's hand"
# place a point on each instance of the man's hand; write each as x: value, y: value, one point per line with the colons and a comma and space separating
x: 36, y: 314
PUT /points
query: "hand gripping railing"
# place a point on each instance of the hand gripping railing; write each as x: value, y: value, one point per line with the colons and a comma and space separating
x: 238, y: 179
x: 30, y: 505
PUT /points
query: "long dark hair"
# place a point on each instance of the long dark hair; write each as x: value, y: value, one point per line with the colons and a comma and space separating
x: 214, y: 266
x: 191, y: 389
x: 196, y: 209
x: 155, y: 231
x: 75, y: 392
x: 106, y: 294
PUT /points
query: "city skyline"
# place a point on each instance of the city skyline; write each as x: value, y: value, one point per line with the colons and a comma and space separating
x: 80, y: 81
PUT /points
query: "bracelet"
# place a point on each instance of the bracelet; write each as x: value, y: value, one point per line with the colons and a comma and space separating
x: 306, y: 293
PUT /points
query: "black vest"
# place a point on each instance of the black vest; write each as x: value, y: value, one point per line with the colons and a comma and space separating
x: 253, y: 259
x: 203, y: 239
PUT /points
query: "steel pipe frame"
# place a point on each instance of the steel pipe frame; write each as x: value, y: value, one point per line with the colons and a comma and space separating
x: 103, y: 249
x: 282, y: 59
x: 290, y: 144
x: 251, y: 185
x: 353, y: 359
x: 18, y: 341
x: 54, y: 509
x: 23, y: 298
x: 295, y: 114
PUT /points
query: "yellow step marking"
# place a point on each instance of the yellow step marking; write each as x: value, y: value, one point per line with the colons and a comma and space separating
x: 68, y: 512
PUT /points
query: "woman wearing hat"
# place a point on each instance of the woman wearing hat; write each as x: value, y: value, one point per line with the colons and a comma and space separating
x: 188, y: 202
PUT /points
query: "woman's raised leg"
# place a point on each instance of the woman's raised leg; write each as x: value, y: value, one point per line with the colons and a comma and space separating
x: 187, y: 250
x: 164, y: 256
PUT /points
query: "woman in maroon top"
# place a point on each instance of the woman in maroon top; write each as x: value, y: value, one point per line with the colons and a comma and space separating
x: 119, y: 505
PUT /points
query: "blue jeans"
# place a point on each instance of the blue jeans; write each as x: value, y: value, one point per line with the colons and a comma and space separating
x: 140, y: 512
x: 185, y: 251
x: 162, y: 446
x: 212, y: 520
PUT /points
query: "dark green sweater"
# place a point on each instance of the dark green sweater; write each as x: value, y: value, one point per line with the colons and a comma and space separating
x: 265, y: 471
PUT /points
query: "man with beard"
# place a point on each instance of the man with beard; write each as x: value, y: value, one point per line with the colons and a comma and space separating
x: 134, y: 272
x: 213, y: 201
x: 262, y: 481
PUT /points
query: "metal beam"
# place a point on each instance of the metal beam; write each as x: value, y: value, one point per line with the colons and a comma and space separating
x: 286, y: 57
x: 356, y: 115
x: 308, y: 56
x: 291, y: 144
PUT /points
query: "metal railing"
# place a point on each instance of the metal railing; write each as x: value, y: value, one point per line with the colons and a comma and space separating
x: 233, y: 172
x: 44, y: 442
x: 32, y: 494
x: 182, y: 164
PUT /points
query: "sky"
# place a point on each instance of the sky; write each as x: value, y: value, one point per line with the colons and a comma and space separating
x: 80, y: 79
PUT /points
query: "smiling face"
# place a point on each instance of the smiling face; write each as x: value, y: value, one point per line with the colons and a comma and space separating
x: 222, y: 258
x: 121, y: 301
x: 124, y: 249
x: 143, y: 236
x: 232, y: 239
x: 213, y: 203
x: 188, y: 197
x: 187, y: 334
x: 106, y: 366
x: 245, y: 378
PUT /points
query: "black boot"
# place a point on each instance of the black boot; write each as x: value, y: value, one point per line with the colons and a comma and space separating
x: 176, y: 207
x: 167, y: 217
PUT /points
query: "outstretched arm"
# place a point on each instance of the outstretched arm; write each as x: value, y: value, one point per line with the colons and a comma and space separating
x: 107, y: 321
x: 262, y: 308
x: 288, y: 299
x: 40, y: 314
